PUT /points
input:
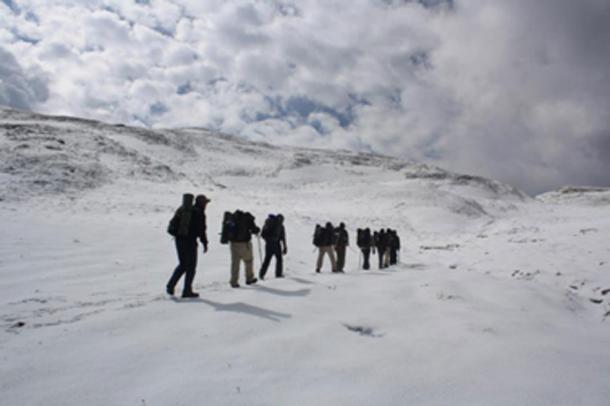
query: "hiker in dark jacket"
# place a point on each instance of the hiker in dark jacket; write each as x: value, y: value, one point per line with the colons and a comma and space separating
x: 341, y: 244
x: 365, y: 243
x: 188, y: 224
x: 325, y: 241
x: 381, y: 244
x: 274, y: 235
x: 394, y: 246
x: 241, y: 247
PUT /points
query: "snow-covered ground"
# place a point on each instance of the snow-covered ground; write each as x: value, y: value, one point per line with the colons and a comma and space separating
x: 499, y: 299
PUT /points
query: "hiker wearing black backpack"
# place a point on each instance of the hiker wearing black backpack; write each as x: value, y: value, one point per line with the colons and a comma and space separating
x: 274, y: 235
x: 341, y: 244
x: 324, y: 239
x: 237, y: 230
x: 365, y: 243
x: 393, y: 246
x: 381, y: 243
x: 188, y: 224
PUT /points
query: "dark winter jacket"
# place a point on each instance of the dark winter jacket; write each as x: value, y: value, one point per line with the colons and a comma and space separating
x: 342, y: 237
x: 189, y: 222
x: 382, y: 240
x: 393, y: 240
x: 197, y: 227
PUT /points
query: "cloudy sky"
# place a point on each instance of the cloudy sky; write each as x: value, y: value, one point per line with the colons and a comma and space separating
x: 517, y: 90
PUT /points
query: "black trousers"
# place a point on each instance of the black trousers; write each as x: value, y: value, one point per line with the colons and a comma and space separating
x: 187, y: 263
x: 366, y: 253
x: 272, y: 249
x: 393, y: 256
x: 381, y: 253
x: 340, y: 250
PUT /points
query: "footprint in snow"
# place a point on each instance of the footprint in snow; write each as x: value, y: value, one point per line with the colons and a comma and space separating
x: 363, y: 330
x: 444, y: 296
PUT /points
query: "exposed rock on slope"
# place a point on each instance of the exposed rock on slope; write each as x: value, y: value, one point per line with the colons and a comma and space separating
x: 60, y: 155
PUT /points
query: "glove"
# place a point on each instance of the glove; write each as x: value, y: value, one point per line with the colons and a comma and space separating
x: 285, y: 250
x: 205, y: 247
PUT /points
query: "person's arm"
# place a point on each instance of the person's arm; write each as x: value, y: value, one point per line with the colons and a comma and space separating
x: 204, y: 237
x: 254, y: 228
x: 283, y: 240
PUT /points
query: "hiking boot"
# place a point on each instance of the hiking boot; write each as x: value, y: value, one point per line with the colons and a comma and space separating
x: 190, y: 295
x: 279, y: 276
x: 251, y: 281
x: 261, y: 276
x: 317, y: 271
x: 169, y: 290
x: 235, y: 285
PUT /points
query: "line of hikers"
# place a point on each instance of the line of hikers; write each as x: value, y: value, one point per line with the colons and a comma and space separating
x: 188, y: 224
x: 331, y: 241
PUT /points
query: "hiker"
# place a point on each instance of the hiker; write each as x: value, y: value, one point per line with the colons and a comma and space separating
x: 274, y: 235
x: 365, y: 243
x: 237, y: 230
x: 186, y: 226
x: 394, y: 246
x: 324, y: 238
x: 381, y: 245
x: 341, y: 244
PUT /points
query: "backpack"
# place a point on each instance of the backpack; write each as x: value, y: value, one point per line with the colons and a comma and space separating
x: 361, y: 239
x: 318, y: 235
x: 174, y: 223
x: 270, y: 229
x: 180, y: 223
x: 229, y: 228
x: 243, y: 222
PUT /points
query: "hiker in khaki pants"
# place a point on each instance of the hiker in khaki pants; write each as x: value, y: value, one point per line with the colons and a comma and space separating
x: 325, y: 241
x: 241, y: 247
x: 326, y: 250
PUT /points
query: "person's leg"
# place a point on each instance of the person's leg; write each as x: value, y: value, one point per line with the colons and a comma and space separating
x: 191, y: 267
x: 320, y: 258
x: 235, y: 259
x: 386, y: 258
x: 333, y: 260
x: 279, y: 262
x: 380, y: 255
x: 249, y: 260
x: 180, y: 269
x: 392, y: 256
x: 366, y: 253
x: 340, y: 258
x: 268, y: 255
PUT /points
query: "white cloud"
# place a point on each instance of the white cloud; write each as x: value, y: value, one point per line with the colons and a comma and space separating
x: 514, y: 90
x: 20, y: 88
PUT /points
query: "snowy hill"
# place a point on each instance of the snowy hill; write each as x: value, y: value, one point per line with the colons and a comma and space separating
x: 499, y: 298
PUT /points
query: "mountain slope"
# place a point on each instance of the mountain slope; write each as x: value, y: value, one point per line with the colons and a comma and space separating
x: 499, y: 298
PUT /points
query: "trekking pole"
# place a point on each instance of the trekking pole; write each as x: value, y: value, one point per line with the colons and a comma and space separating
x: 260, y: 252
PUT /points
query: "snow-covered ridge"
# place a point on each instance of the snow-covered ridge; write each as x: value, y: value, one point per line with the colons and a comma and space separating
x: 57, y: 155
x: 587, y: 195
